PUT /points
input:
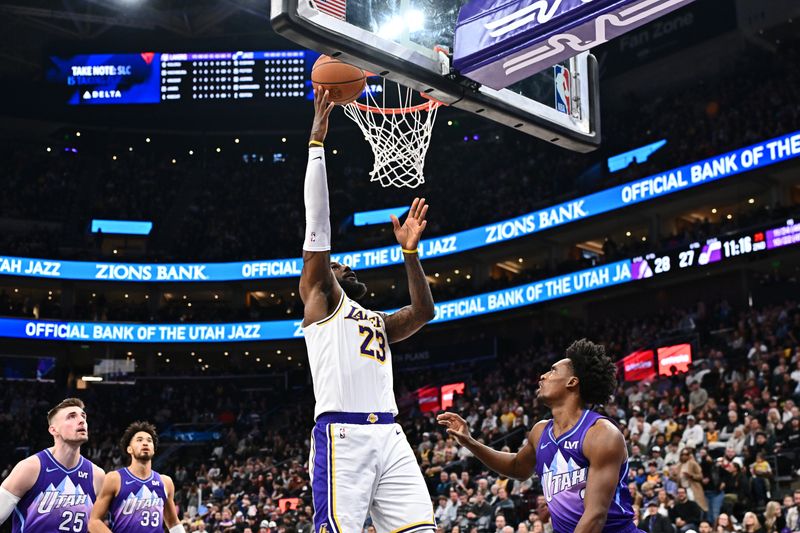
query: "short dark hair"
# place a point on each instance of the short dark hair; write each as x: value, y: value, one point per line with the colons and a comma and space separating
x: 67, y: 402
x: 596, y: 372
x: 133, y: 429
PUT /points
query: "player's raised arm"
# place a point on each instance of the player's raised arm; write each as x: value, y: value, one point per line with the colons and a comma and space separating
x: 604, y: 447
x: 410, y: 319
x: 318, y: 287
x: 111, y: 486
x: 520, y: 465
x: 16, y: 485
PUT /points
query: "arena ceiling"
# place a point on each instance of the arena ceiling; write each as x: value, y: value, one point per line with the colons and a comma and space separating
x: 29, y: 27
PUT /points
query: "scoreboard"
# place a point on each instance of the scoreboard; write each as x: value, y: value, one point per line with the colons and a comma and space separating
x: 165, y: 78
x: 716, y: 249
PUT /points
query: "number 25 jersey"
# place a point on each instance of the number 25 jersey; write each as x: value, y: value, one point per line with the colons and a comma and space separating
x: 351, y: 362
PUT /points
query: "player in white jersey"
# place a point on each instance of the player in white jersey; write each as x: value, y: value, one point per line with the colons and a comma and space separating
x: 361, y: 463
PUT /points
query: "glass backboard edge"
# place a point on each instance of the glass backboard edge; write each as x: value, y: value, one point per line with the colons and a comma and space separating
x: 299, y: 22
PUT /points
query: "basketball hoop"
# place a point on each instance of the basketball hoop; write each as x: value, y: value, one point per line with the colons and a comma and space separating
x: 399, y: 136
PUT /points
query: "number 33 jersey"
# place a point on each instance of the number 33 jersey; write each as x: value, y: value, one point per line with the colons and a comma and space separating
x: 139, y: 505
x: 351, y: 363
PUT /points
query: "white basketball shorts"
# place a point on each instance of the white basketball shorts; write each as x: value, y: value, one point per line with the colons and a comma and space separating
x: 361, y: 464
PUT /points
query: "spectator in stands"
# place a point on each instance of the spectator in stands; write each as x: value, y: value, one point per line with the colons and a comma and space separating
x: 762, y: 475
x: 750, y: 524
x: 440, y: 513
x: 793, y: 513
x: 655, y: 522
x: 691, y: 477
x: 685, y: 514
x: 773, y: 520
x: 499, y: 523
x: 505, y: 506
x: 693, y: 436
x: 724, y: 524
x: 698, y: 397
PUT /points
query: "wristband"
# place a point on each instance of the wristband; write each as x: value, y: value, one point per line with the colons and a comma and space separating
x: 315, y: 143
x: 409, y: 251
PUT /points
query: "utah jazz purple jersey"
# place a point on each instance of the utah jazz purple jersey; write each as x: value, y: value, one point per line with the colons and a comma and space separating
x: 139, y: 506
x: 563, y: 469
x: 60, y: 500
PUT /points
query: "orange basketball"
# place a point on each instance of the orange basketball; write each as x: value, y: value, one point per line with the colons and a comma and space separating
x: 344, y: 82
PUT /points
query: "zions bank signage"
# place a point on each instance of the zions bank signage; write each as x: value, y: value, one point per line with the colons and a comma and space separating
x: 634, y: 270
x: 660, y: 185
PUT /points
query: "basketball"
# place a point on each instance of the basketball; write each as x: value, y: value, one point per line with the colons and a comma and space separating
x: 344, y: 82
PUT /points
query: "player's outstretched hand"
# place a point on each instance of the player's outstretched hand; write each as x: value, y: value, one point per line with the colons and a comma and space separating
x: 409, y: 234
x: 456, y: 426
x: 322, y: 110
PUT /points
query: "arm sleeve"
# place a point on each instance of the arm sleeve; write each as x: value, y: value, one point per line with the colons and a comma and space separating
x: 7, y: 504
x: 318, y: 211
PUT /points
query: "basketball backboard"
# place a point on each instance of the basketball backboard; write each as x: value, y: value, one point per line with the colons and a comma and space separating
x: 397, y: 39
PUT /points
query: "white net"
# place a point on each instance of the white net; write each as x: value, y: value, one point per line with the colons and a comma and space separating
x: 399, y: 136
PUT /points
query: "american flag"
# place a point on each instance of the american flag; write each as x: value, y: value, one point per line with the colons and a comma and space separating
x: 334, y: 8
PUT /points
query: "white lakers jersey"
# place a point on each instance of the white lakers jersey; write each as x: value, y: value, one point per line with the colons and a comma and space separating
x: 351, y: 363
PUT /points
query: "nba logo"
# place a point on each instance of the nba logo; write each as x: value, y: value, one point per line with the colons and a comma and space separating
x: 562, y: 82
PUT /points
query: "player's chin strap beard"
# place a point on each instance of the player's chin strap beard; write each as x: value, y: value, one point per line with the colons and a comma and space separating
x: 353, y: 289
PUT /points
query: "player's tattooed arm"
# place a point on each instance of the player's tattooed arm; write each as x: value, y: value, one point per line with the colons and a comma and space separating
x: 520, y: 465
x: 410, y: 319
x: 604, y: 447
x: 319, y: 290
x: 102, y: 504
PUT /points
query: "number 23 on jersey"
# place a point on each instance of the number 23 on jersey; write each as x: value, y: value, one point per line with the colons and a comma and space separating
x: 374, y: 344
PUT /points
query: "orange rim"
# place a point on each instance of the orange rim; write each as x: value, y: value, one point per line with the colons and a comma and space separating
x: 432, y: 103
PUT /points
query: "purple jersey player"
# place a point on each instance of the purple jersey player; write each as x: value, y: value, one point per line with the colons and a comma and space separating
x: 579, y: 455
x: 140, y: 500
x: 54, y: 490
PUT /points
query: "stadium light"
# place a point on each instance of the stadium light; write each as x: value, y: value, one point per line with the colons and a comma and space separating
x: 92, y: 378
x: 236, y: 140
x: 49, y: 149
x: 751, y: 201
x: 415, y: 20
x: 714, y: 211
x: 393, y: 27
x: 147, y: 139
x: 77, y: 134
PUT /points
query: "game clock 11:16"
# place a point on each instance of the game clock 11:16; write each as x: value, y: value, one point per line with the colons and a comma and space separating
x: 740, y: 246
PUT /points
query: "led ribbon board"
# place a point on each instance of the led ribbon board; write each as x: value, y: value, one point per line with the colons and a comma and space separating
x: 660, y: 185
x: 621, y: 272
